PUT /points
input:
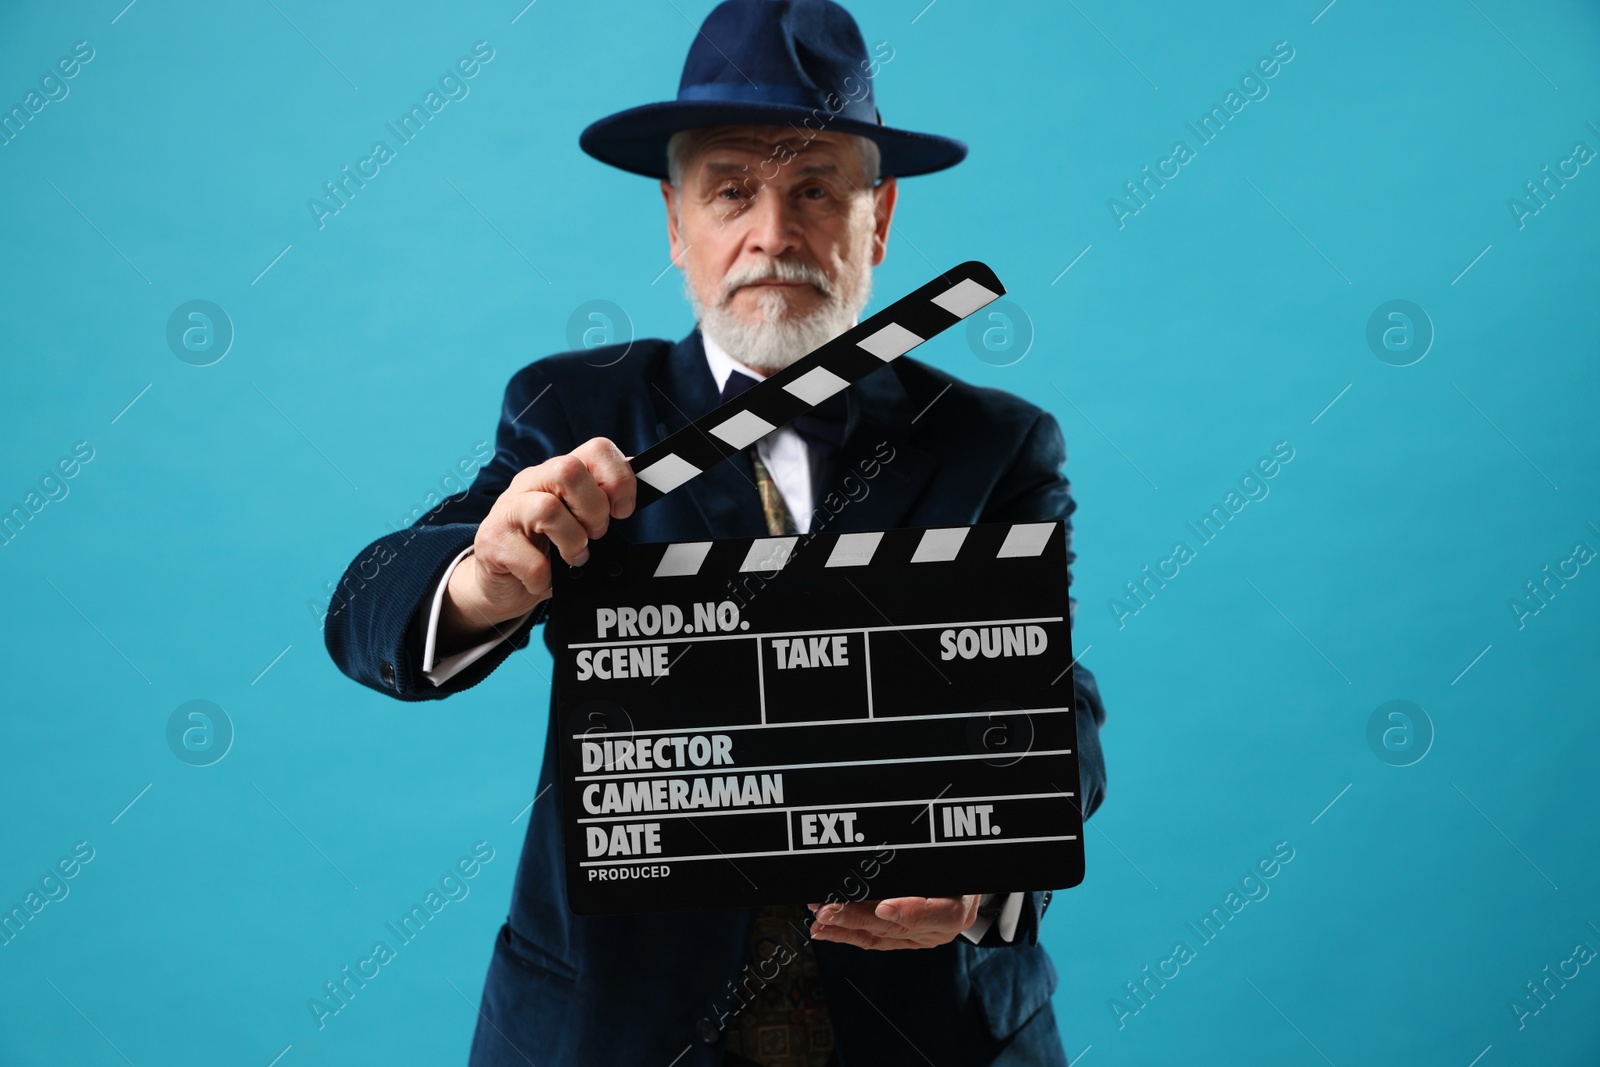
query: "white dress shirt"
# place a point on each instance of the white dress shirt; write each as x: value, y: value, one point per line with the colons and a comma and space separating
x: 783, y: 452
x: 793, y: 467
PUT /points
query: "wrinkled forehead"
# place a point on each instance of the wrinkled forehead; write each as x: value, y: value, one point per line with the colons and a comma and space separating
x: 752, y: 144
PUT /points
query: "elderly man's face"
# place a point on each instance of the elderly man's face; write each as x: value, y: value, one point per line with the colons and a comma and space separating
x: 772, y: 230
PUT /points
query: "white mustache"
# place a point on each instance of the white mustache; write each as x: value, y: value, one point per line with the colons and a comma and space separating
x: 782, y: 270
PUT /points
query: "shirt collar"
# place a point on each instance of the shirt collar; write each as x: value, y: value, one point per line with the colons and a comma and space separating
x: 722, y: 364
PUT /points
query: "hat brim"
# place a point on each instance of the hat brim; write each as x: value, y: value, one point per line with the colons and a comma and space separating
x: 635, y: 140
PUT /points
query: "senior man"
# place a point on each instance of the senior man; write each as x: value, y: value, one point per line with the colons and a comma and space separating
x: 779, y: 182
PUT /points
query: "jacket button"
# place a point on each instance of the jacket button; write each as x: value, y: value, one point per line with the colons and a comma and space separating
x: 386, y: 672
x: 707, y: 1031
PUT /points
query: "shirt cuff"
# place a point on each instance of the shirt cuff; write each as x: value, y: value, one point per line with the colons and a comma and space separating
x: 450, y: 666
x: 1010, y: 915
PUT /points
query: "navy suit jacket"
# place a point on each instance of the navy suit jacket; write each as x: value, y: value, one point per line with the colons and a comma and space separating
x: 659, y: 989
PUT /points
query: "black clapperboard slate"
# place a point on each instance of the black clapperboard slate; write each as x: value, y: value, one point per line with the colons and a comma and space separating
x: 836, y: 716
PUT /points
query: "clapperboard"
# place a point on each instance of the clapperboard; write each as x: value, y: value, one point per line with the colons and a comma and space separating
x: 835, y: 716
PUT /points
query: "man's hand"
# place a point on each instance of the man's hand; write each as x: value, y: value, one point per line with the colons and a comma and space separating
x: 565, y: 503
x: 903, y: 922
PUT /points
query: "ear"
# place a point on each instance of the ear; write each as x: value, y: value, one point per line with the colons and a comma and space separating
x: 669, y: 197
x: 883, y: 200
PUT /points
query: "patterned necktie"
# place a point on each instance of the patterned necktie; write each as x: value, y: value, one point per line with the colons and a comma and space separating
x: 786, y: 1023
x: 780, y: 522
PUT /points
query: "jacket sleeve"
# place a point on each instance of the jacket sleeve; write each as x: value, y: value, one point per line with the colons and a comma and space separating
x: 373, y: 629
x: 1033, y: 489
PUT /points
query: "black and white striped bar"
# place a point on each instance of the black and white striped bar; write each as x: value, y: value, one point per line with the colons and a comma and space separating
x: 768, y: 554
x: 793, y: 391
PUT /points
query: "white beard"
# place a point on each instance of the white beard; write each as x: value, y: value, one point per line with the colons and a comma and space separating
x: 779, y: 338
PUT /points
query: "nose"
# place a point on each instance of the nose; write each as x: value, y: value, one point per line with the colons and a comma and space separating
x: 772, y: 224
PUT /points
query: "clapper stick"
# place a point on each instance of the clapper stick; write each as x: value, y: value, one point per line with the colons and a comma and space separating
x: 796, y: 389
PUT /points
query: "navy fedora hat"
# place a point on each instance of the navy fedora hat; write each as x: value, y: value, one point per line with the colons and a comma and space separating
x: 799, y: 63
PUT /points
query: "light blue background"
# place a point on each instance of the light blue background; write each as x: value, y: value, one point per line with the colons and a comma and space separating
x: 1224, y: 317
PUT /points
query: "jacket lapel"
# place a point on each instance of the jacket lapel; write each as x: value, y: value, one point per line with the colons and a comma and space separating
x: 725, y: 496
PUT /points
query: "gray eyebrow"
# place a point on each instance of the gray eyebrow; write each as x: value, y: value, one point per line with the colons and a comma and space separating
x: 737, y: 168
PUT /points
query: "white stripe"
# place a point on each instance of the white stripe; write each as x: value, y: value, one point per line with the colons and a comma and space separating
x: 938, y: 546
x: 891, y: 341
x: 854, y: 549
x: 679, y: 771
x: 668, y: 472
x: 963, y: 299
x: 692, y: 813
x: 811, y: 633
x: 1026, y: 539
x: 866, y: 655
x: 591, y: 735
x: 684, y: 558
x: 743, y: 429
x: 847, y: 848
x: 761, y: 680
x: 768, y: 554
x: 816, y: 385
